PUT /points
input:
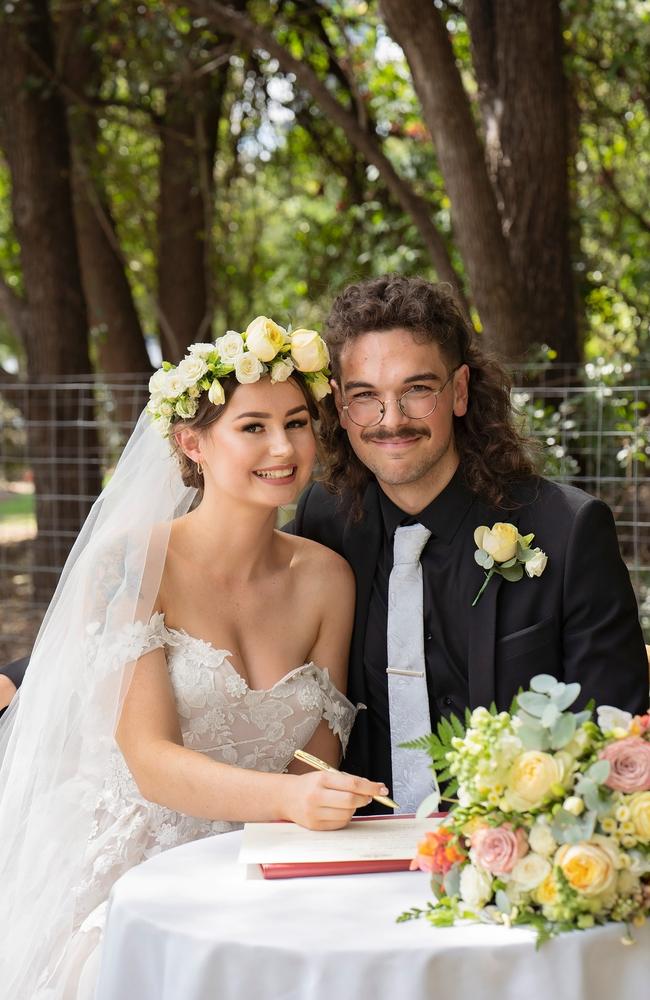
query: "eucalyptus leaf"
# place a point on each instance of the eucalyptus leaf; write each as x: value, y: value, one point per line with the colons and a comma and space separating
x: 562, y: 731
x: 599, y: 772
x: 533, y: 703
x: 568, y: 696
x: 512, y: 573
x: 508, y: 563
x: 428, y: 805
x: 534, y: 739
x: 543, y: 683
x: 483, y: 558
x: 503, y: 903
x: 550, y: 715
x: 451, y: 881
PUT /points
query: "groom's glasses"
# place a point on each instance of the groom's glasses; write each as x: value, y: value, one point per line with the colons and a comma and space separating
x: 415, y: 403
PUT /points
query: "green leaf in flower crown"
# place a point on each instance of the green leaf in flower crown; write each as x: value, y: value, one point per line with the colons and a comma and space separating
x: 512, y: 573
x: 599, y: 772
x: 562, y: 731
x: 567, y: 696
x: 534, y: 704
x: 428, y: 805
x: 543, y: 683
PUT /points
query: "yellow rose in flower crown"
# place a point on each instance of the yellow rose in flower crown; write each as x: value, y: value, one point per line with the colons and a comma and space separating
x: 309, y: 351
x: 265, y: 339
x: 639, y: 805
x: 589, y: 867
x: 533, y: 778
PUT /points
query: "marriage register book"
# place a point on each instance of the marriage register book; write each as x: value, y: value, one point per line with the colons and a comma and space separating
x: 367, y: 844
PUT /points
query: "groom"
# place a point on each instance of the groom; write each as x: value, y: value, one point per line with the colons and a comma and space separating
x: 424, y: 450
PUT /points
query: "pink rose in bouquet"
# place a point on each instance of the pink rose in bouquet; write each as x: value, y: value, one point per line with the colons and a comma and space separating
x: 497, y: 849
x: 629, y: 764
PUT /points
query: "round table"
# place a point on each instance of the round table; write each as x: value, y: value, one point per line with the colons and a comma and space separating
x: 189, y: 925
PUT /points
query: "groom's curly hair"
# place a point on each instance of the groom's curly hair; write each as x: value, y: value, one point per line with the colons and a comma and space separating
x: 493, y: 454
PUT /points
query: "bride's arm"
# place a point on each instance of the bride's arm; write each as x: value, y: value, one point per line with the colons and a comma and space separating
x: 187, y: 781
x: 335, y: 593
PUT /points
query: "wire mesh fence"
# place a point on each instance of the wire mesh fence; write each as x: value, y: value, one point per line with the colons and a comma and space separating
x: 60, y: 439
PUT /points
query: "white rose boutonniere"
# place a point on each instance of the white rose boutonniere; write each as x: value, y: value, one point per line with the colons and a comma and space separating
x: 501, y: 549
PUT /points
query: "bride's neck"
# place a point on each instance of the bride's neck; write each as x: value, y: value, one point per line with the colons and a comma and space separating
x: 221, y: 531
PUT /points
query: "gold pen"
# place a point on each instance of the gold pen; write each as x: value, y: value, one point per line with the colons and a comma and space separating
x: 321, y: 765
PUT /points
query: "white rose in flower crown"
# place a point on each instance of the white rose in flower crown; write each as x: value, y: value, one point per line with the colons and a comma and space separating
x: 248, y: 368
x: 281, y: 369
x: 201, y: 350
x: 176, y: 384
x: 590, y: 866
x: 475, y: 887
x: 530, y: 871
x: 536, y: 565
x: 192, y: 369
x: 158, y: 383
x: 230, y: 346
x: 166, y: 409
x: 186, y: 408
x: 216, y: 394
x: 265, y: 338
x: 541, y: 839
x: 531, y: 779
x: 500, y: 541
x: 309, y: 351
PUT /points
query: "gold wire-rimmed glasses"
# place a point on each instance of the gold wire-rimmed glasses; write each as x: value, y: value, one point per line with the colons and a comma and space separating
x: 415, y: 403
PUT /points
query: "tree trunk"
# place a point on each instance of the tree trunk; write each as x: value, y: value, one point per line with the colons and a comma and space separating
x: 517, y: 55
x: 420, y: 31
x: 62, y: 441
x: 189, y: 137
x: 112, y: 313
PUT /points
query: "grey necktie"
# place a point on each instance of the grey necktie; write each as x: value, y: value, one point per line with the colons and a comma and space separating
x: 408, y: 701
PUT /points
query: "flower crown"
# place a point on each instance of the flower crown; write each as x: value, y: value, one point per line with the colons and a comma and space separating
x: 264, y: 347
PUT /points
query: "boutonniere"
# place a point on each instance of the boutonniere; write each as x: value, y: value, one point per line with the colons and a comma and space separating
x: 501, y: 549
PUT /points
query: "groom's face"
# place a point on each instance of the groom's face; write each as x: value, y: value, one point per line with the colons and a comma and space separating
x: 412, y: 458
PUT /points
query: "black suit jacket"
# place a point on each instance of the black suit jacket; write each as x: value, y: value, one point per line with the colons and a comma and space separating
x: 578, y: 621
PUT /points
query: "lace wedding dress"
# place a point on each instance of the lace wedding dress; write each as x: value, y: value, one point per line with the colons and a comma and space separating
x: 219, y: 716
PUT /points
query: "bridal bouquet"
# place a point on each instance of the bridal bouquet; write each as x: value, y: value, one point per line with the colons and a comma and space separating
x: 551, y: 821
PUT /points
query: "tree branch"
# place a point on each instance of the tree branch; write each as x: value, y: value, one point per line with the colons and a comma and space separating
x: 251, y: 34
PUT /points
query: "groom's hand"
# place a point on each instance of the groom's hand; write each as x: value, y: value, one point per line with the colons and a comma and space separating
x: 327, y: 800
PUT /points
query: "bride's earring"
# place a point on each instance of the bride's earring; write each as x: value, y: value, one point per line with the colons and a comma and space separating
x: 199, y: 468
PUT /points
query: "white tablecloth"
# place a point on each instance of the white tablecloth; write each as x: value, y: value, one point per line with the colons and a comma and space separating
x: 188, y: 925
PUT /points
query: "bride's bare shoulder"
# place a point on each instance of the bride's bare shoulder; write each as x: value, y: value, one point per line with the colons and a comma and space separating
x: 317, y: 564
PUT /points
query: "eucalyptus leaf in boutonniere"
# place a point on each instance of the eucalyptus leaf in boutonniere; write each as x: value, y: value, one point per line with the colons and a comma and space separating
x: 501, y: 549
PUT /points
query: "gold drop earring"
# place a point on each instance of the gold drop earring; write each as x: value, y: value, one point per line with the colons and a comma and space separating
x: 199, y: 468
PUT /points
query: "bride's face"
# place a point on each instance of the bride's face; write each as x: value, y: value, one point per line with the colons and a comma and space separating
x: 262, y: 449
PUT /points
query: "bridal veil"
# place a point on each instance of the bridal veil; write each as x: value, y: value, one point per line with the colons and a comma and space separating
x: 56, y: 737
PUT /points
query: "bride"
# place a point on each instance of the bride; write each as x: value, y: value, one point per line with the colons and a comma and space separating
x: 189, y: 650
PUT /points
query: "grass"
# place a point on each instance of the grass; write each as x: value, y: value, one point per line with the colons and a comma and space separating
x: 17, y: 507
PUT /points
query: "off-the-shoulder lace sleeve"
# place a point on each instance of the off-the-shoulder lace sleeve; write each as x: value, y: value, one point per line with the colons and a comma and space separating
x: 338, y: 711
x: 126, y: 644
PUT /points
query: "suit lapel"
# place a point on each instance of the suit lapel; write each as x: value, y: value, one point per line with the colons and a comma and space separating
x: 482, y: 634
x: 361, y: 542
x: 482, y: 639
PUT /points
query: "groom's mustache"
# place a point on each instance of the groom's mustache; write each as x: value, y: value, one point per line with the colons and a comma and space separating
x: 403, y: 432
